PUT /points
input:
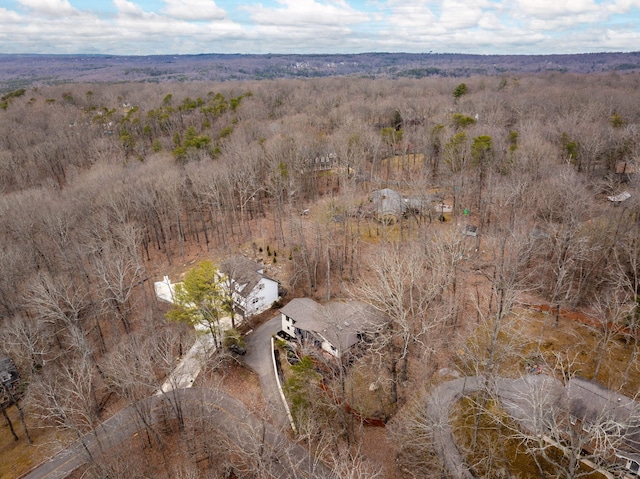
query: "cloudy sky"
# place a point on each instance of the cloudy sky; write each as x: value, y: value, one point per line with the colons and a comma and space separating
x: 144, y: 27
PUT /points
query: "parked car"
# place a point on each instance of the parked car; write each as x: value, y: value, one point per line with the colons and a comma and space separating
x: 238, y: 349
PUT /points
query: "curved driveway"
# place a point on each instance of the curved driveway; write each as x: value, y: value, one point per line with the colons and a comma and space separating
x: 259, y: 358
x: 271, y: 447
x: 439, y: 404
x: 519, y: 397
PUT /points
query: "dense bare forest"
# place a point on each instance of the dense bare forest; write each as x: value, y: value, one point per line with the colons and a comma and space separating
x: 29, y: 70
x: 503, y: 185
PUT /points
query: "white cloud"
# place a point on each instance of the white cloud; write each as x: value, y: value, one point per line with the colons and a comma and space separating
x: 193, y: 10
x: 306, y: 26
x: 558, y: 15
x: 171, y: 34
x: 128, y: 8
x: 490, y: 21
x: 411, y: 14
x: 9, y: 16
x: 623, y: 6
x: 306, y: 12
x: 550, y: 9
x: 458, y: 14
x: 620, y: 40
x: 327, y: 26
x: 49, y: 7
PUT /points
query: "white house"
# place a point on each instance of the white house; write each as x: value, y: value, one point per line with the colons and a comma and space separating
x: 252, y: 290
x: 334, y: 327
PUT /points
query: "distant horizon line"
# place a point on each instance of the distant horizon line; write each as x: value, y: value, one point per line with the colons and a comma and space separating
x: 636, y: 52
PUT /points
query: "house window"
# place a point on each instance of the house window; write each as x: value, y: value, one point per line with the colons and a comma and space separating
x: 255, y: 300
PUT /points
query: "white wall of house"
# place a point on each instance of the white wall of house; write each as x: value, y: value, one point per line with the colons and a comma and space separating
x: 264, y: 294
x: 287, y: 325
x: 330, y: 348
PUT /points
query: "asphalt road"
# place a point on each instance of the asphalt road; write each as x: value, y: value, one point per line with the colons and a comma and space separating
x: 279, y: 455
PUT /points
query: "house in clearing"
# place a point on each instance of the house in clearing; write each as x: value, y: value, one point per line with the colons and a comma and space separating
x: 333, y: 327
x: 322, y: 162
x: 252, y: 290
x: 388, y: 205
x: 470, y: 230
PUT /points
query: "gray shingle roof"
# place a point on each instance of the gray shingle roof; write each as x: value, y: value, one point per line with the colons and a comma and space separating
x: 338, y: 322
x: 388, y: 202
x: 243, y: 271
x: 592, y: 403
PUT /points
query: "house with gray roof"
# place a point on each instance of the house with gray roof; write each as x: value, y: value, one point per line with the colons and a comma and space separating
x: 251, y: 289
x: 604, y: 422
x: 610, y: 415
x: 333, y: 327
x: 388, y: 205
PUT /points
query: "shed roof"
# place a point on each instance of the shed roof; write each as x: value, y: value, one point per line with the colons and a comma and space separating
x: 591, y: 402
x: 625, y: 195
x: 626, y: 168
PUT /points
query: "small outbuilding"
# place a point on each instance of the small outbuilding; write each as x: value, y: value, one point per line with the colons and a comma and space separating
x: 617, y: 199
x: 470, y: 230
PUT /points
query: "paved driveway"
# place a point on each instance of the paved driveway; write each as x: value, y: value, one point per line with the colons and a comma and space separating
x: 277, y: 453
x: 259, y: 358
x: 518, y: 397
x: 439, y: 404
